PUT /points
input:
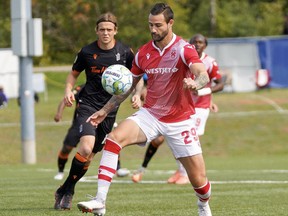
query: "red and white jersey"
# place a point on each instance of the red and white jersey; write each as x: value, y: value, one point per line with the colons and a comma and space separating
x: 166, y: 98
x: 213, y: 73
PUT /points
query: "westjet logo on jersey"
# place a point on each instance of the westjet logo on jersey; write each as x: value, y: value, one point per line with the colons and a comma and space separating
x: 161, y: 70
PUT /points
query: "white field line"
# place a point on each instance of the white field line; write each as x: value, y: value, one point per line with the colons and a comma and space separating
x: 168, y: 172
x: 17, y: 124
x: 115, y: 181
x: 93, y: 179
x: 217, y: 115
x: 277, y: 108
x: 245, y: 114
x: 272, y: 103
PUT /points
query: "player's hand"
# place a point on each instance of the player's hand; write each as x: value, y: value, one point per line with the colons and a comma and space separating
x: 214, y: 107
x: 96, y: 118
x: 189, y: 83
x: 69, y: 98
x: 136, y: 102
x: 57, y: 118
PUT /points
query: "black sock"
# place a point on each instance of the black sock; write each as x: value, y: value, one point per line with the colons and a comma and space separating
x: 149, y: 154
x: 76, y: 172
x: 61, y: 164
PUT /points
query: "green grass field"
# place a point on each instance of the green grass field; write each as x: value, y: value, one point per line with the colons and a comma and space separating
x: 245, y: 148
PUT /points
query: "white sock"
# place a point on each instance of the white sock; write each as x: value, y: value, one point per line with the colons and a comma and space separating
x: 107, y: 168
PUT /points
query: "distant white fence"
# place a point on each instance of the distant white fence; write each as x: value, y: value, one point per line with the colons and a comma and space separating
x: 9, y: 75
x: 238, y: 59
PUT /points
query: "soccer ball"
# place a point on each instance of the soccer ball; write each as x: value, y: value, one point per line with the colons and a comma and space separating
x: 117, y: 79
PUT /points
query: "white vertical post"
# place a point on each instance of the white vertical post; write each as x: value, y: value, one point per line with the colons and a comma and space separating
x: 20, y: 17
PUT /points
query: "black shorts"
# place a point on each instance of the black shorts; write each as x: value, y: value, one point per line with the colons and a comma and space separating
x: 86, y: 128
x: 72, y: 137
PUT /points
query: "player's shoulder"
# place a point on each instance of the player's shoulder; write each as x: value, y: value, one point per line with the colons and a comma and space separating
x: 209, y: 58
x: 121, y: 45
x: 89, y: 47
x: 184, y: 44
x: 181, y: 41
x: 147, y: 47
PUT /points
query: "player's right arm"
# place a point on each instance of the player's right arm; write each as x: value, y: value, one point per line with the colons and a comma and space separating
x: 114, y: 102
x: 70, y: 82
x: 58, y: 115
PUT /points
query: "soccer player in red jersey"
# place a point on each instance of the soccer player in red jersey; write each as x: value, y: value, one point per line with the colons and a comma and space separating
x: 203, y: 104
x: 202, y: 99
x: 170, y: 63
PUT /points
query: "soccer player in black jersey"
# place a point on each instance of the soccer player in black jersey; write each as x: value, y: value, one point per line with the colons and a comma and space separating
x: 72, y: 138
x: 94, y: 59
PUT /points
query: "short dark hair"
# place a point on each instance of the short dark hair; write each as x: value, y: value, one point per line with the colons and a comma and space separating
x: 107, y: 17
x: 159, y: 8
x: 198, y: 35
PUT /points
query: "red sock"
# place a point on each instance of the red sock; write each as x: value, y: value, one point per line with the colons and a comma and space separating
x: 109, y: 160
x: 203, y: 192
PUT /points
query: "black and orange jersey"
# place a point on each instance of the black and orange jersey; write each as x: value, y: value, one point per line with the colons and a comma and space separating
x: 94, y: 61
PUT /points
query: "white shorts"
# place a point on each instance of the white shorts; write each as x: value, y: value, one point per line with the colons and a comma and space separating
x: 200, y: 119
x: 181, y: 137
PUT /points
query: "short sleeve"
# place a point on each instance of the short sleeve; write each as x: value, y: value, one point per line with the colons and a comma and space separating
x: 79, y: 64
x: 189, y: 55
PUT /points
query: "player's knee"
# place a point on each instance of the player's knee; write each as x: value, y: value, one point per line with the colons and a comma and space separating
x: 85, y: 151
x: 157, y: 142
x: 160, y: 140
x: 117, y: 138
x: 112, y: 136
x: 66, y: 149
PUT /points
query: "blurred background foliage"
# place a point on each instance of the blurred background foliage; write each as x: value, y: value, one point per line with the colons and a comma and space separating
x: 68, y: 25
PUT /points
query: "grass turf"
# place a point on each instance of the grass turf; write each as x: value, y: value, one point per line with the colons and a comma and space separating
x: 245, y: 148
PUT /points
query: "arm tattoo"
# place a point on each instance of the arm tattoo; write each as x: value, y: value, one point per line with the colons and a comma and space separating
x: 201, y: 80
x: 116, y: 100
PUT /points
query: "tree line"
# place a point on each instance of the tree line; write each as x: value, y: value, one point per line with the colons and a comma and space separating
x: 68, y: 25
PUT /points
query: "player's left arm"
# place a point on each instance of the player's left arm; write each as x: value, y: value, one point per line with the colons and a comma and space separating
x: 201, y: 77
x: 198, y: 71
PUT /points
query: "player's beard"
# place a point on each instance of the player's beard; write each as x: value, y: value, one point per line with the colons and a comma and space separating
x: 159, y: 37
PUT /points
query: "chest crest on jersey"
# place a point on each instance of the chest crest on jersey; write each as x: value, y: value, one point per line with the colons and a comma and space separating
x: 118, y: 57
x: 173, y: 53
x: 147, y: 56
